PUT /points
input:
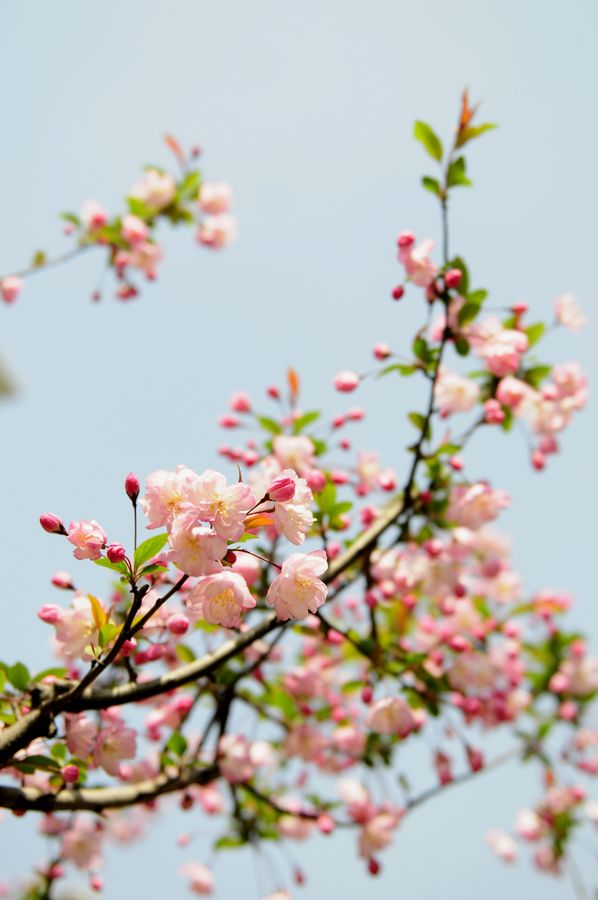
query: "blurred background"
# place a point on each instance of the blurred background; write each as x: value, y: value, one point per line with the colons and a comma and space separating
x: 307, y: 109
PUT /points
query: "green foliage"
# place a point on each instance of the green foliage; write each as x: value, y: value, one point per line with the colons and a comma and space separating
x: 148, y: 549
x: 428, y: 138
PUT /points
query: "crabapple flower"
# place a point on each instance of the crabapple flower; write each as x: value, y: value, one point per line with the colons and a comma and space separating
x: 220, y: 599
x: 51, y: 523
x: 88, y: 537
x: 377, y: 832
x: 10, y: 288
x: 502, y: 844
x: 282, y: 488
x: 294, y: 517
x: 346, y: 381
x: 472, y: 505
x: 568, y: 313
x: 500, y: 348
x: 134, y: 230
x: 234, y: 758
x: 391, y: 715
x: 224, y: 506
x: 167, y: 494
x: 294, y: 452
x: 196, y: 549
x: 114, y: 743
x: 81, y: 734
x: 93, y: 215
x: 155, y: 189
x: 82, y: 845
x: 240, y: 402
x: 201, y: 878
x: 419, y: 268
x: 298, y: 589
x: 455, y: 394
x: 215, y: 197
x: 76, y: 628
x: 218, y: 231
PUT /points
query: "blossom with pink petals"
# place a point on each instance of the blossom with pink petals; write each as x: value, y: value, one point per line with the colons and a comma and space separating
x: 196, y: 549
x: 114, y: 743
x: 155, y: 189
x: 201, y: 878
x: 167, y: 494
x: 391, y: 715
x: 568, y: 313
x: 294, y: 517
x: 294, y: 452
x: 224, y: 506
x: 298, y: 590
x: 220, y: 599
x: 88, y: 537
x: 215, y: 197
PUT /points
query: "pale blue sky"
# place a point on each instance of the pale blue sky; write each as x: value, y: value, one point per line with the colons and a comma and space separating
x: 307, y: 109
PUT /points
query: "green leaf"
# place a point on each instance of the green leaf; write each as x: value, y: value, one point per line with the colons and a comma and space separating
x: 19, y: 676
x: 462, y: 346
x: 41, y: 762
x: 320, y: 447
x: 468, y: 313
x: 58, y: 751
x: 116, y: 567
x: 39, y: 259
x: 401, y: 368
x: 535, y: 332
x: 326, y: 498
x: 56, y: 672
x: 229, y: 841
x: 456, y: 175
x: 457, y: 262
x: 149, y: 549
x: 269, y: 425
x: 536, y: 375
x: 189, y: 187
x: 428, y: 139
x: 72, y: 218
x: 305, y: 420
x: 141, y: 209
x: 177, y: 743
x: 152, y: 569
x: 107, y: 633
x: 469, y: 134
x: 417, y: 419
x: 185, y: 653
x: 421, y: 349
x: 432, y: 185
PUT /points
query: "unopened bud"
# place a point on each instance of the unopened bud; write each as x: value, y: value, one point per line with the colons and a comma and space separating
x: 132, y: 487
x: 51, y: 523
x: 116, y: 553
x: 70, y: 774
x: 282, y: 489
x: 452, y: 278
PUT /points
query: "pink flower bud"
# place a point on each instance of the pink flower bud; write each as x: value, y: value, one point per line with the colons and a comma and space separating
x: 333, y: 550
x: 456, y: 463
x: 346, y: 381
x: 325, y: 823
x: 397, y: 292
x: 338, y: 476
x: 367, y: 694
x: 338, y: 421
x: 132, y: 486
x: 178, y: 624
x: 315, y: 479
x: 228, y: 421
x: 50, y: 613
x: 373, y: 866
x: 62, y: 580
x: 406, y: 239
x: 240, y: 402
x: 70, y: 774
x: 493, y: 412
x: 282, y: 489
x: 51, y: 524
x: 538, y: 460
x: 520, y: 308
x: 96, y: 883
x: 10, y: 288
x: 55, y: 871
x: 382, y: 351
x: 273, y: 392
x: 116, y: 553
x: 452, y: 278
x: 345, y: 444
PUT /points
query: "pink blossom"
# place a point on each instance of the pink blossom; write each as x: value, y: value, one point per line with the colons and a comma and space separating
x: 240, y: 402
x: 196, y: 549
x: 282, y: 488
x: 391, y: 715
x: 155, y: 189
x: 10, y: 288
x: 82, y: 844
x: 215, y: 197
x: 419, y: 268
x: 225, y: 506
x: 218, y: 231
x: 201, y: 878
x: 93, y: 215
x: 234, y: 758
x: 88, y: 537
x: 298, y: 589
x: 81, y: 734
x: 167, y: 494
x: 76, y: 628
x: 472, y: 505
x: 568, y: 313
x: 346, y: 381
x: 220, y: 599
x: 145, y: 256
x: 294, y: 517
x: 500, y: 348
x: 294, y: 452
x: 512, y: 391
x: 134, y: 230
x: 455, y: 394
x: 114, y: 743
x: 132, y: 486
x: 502, y: 844
x: 377, y: 832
